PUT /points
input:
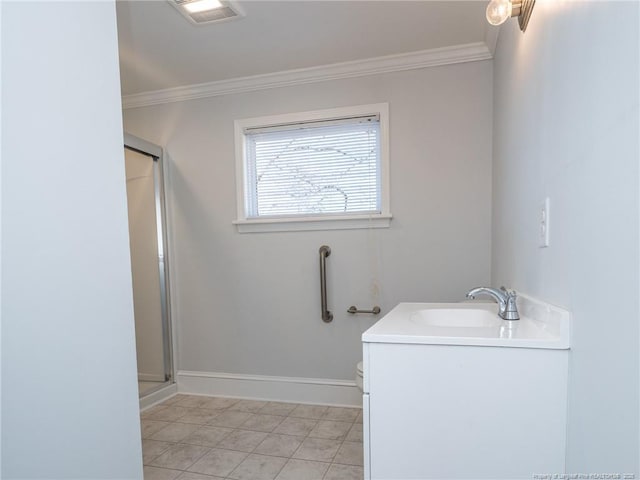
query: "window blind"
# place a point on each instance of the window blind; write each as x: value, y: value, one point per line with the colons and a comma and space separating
x: 315, y: 168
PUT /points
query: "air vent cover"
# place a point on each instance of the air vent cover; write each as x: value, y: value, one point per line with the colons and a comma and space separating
x: 228, y: 11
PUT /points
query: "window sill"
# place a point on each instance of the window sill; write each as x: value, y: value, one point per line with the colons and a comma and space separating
x: 301, y: 224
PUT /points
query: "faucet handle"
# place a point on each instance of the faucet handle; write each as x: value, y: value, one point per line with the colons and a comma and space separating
x: 510, y: 293
x: 511, y: 310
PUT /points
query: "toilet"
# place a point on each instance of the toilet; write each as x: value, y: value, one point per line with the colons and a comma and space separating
x: 359, y: 376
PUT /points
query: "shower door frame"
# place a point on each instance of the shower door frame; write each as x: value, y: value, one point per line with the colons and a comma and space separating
x: 157, y: 154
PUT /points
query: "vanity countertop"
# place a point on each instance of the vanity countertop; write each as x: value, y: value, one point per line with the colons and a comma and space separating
x: 541, y: 325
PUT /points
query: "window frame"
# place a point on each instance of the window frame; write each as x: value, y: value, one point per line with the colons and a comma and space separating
x: 315, y: 222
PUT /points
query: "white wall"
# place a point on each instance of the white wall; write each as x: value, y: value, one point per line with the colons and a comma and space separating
x: 249, y: 303
x: 566, y: 126
x: 69, y: 405
x: 1, y: 150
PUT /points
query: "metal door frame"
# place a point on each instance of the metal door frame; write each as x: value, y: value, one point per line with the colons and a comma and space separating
x: 157, y: 154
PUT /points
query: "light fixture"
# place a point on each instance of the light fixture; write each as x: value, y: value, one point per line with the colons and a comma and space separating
x: 198, y: 6
x: 200, y: 12
x: 498, y: 11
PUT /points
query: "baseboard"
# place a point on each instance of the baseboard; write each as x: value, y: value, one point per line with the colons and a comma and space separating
x: 158, y: 396
x: 261, y: 387
x: 150, y: 377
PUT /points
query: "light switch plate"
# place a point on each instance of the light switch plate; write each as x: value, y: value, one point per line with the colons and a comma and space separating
x: 543, y: 226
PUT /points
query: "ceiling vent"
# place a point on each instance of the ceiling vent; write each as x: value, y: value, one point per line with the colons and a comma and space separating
x: 200, y: 12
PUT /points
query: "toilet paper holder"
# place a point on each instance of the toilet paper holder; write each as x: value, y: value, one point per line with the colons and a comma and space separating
x: 353, y: 310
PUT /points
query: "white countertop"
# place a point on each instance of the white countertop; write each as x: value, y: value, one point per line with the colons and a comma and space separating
x: 541, y: 325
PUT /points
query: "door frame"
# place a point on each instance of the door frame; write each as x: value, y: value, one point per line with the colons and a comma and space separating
x: 156, y: 152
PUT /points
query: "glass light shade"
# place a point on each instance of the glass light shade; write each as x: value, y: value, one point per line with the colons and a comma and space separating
x: 498, y: 11
x: 202, y: 5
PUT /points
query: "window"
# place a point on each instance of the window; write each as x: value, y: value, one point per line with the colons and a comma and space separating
x: 315, y: 170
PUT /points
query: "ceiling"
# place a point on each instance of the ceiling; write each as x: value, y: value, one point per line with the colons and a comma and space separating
x: 160, y: 49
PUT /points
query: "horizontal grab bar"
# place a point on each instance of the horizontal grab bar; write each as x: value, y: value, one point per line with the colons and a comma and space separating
x: 353, y: 310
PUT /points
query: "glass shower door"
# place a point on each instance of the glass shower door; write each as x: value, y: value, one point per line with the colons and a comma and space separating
x: 146, y: 240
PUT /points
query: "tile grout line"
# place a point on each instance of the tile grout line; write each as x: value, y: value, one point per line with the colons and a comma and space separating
x: 334, y: 456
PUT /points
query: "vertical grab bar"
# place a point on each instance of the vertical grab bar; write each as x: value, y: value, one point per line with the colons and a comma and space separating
x: 324, y: 251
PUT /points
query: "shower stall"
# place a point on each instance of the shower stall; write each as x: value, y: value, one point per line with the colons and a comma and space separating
x: 149, y: 269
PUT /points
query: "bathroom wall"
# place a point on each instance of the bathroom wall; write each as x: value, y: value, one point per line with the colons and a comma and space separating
x: 566, y: 126
x: 249, y: 303
x: 69, y: 393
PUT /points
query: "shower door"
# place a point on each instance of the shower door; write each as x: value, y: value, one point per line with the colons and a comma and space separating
x: 147, y: 240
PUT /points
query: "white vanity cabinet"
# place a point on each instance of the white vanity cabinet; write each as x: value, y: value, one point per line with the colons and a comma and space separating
x: 464, y: 402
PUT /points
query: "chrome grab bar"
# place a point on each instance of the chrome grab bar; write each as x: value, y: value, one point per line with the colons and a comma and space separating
x: 353, y: 310
x: 324, y: 251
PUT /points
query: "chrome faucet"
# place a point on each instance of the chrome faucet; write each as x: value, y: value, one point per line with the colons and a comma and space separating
x: 507, y: 308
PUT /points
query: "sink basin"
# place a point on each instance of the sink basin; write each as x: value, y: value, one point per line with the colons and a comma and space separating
x: 541, y: 325
x: 456, y: 318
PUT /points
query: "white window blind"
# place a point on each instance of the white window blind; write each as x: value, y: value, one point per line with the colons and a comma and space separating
x: 328, y: 167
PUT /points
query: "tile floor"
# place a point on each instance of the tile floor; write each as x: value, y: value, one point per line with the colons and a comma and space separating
x: 190, y: 437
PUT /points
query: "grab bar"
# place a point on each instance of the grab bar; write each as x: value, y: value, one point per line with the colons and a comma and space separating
x: 324, y: 251
x: 353, y: 309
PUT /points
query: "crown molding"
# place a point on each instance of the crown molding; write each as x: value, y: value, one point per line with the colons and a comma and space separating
x: 471, y: 52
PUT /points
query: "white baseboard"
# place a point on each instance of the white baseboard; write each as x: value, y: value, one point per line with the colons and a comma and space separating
x: 158, y: 396
x: 261, y: 387
x: 150, y: 377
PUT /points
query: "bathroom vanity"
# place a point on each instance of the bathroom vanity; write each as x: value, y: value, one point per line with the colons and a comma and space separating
x: 453, y: 391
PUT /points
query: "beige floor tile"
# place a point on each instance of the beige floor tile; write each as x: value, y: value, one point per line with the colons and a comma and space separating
x: 302, y: 470
x: 331, y: 429
x: 296, y: 426
x: 279, y: 445
x: 355, y: 434
x: 218, y: 403
x: 155, y: 473
x: 359, y: 418
x: 179, y: 457
x: 250, y: 440
x: 169, y: 414
x: 341, y: 414
x: 262, y: 423
x: 199, y: 416
x: 174, y: 432
x: 173, y: 400
x: 350, y: 453
x: 207, y: 436
x: 197, y: 476
x: 153, y: 410
x: 344, y: 472
x: 218, y: 462
x: 309, y: 411
x: 230, y: 418
x: 251, y: 406
x: 278, y: 408
x: 319, y: 449
x: 191, y: 401
x: 258, y: 467
x: 242, y: 440
x: 149, y: 427
x: 152, y: 448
